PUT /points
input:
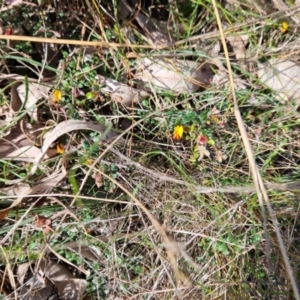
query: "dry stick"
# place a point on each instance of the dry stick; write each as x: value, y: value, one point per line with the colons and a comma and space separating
x: 203, y: 189
x: 254, y: 169
x: 117, y: 45
x: 243, y: 130
x: 106, y: 44
x: 75, y: 42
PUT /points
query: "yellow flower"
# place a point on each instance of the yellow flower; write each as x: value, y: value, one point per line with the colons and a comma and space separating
x: 60, y: 148
x: 56, y: 96
x: 284, y: 27
x: 178, y: 132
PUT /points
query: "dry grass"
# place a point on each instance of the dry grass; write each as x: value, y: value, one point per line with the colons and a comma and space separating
x: 163, y: 225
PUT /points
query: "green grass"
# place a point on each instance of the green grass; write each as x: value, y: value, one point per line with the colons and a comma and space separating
x: 221, y: 236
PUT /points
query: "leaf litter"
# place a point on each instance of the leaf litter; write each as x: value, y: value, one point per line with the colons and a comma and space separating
x: 281, y: 76
x: 47, y: 276
x: 27, y: 139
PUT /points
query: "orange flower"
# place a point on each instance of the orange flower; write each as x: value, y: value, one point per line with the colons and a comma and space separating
x: 60, y: 148
x: 56, y: 96
x: 178, y: 132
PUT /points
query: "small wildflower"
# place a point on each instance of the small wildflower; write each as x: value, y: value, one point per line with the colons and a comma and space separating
x: 56, y: 96
x: 202, y: 139
x: 60, y: 148
x: 284, y: 26
x: 178, y: 132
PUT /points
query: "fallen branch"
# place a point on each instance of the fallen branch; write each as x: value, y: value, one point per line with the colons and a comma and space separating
x: 203, y: 189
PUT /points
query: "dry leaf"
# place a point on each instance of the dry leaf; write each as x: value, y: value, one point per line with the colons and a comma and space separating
x: 220, y: 156
x: 86, y: 251
x: 41, y: 221
x: 8, y: 113
x: 34, y: 286
x: 35, y: 91
x: 6, y: 118
x: 22, y: 270
x: 68, y: 287
x: 215, y: 50
x: 16, y: 189
x: 238, y: 44
x: 47, y: 291
x: 68, y: 126
x: 221, y: 78
x: 28, y: 154
x: 282, y: 76
x: 4, y: 214
x: 11, y: 3
x: 122, y: 93
x: 43, y: 187
x: 153, y: 34
x: 15, y: 144
x: 177, y: 75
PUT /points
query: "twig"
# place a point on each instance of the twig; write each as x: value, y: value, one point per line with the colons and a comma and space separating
x: 203, y: 189
x: 75, y: 42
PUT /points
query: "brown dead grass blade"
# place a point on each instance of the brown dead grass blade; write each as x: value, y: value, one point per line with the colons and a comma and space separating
x: 76, y: 42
